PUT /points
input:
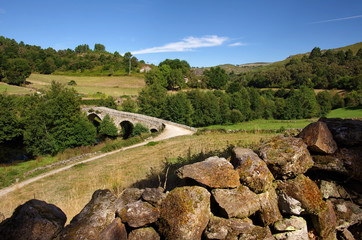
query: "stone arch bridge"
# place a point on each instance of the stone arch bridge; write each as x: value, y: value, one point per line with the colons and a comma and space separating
x: 124, y: 120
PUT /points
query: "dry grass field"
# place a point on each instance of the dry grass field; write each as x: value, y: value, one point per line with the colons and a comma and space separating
x: 72, y: 189
x: 112, y: 86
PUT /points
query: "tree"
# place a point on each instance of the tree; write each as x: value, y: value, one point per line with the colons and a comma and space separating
x: 308, y: 102
x: 10, y: 127
x: 84, y: 48
x: 316, y: 53
x: 216, y: 78
x: 107, y: 127
x: 324, y: 100
x: 179, y: 109
x: 99, y: 47
x: 337, y: 101
x: 17, y: 71
x: 151, y: 100
x: 129, y: 105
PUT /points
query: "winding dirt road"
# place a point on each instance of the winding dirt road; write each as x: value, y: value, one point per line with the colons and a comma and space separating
x: 169, y: 131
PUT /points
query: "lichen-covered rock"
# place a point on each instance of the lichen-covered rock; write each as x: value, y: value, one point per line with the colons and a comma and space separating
x: 346, y: 235
x: 351, y: 158
x: 214, y: 172
x: 129, y: 195
x: 116, y: 230
x: 222, y: 228
x: 138, y: 214
x: 185, y: 213
x: 144, y: 234
x: 346, y: 132
x: 153, y: 195
x: 330, y: 189
x: 305, y: 191
x: 269, y: 210
x: 347, y: 213
x: 253, y: 171
x: 329, y: 163
x: 286, y: 157
x: 318, y: 138
x: 325, y: 222
x: 293, y: 228
x: 96, y: 216
x: 289, y: 205
x: 239, y: 202
x: 34, y: 219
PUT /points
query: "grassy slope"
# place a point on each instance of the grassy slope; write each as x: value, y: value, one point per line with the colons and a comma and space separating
x: 349, y: 112
x: 11, y: 89
x: 112, y: 86
x: 72, y: 189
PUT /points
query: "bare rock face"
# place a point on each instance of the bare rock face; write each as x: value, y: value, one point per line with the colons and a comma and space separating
x: 138, y: 214
x: 222, y: 228
x: 34, y: 219
x: 293, y: 228
x: 116, y: 230
x: 144, y: 234
x: 239, y: 202
x: 305, y: 191
x: 286, y: 157
x: 214, y: 172
x: 269, y: 210
x: 318, y: 138
x: 154, y: 195
x: 185, y: 213
x: 326, y: 222
x: 289, y: 205
x: 252, y: 170
x: 96, y: 216
x: 346, y: 132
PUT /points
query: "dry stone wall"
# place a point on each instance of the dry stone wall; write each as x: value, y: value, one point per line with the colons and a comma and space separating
x: 307, y: 187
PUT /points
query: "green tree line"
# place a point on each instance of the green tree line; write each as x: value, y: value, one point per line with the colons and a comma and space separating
x: 19, y: 60
x: 202, y: 108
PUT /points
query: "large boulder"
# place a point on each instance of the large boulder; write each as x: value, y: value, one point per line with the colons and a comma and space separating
x: 239, y: 202
x: 318, y: 138
x: 269, y: 210
x: 351, y: 158
x: 293, y: 228
x: 253, y: 171
x: 289, y: 205
x: 286, y: 157
x: 138, y: 214
x: 115, y: 231
x: 128, y: 195
x: 34, y: 219
x: 346, y: 132
x: 257, y: 233
x: 214, y: 172
x: 185, y: 213
x: 326, y: 222
x: 304, y: 190
x: 144, y: 234
x: 154, y: 196
x: 95, y: 217
x: 331, y: 189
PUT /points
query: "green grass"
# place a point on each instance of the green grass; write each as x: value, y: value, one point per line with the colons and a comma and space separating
x: 348, y: 112
x: 265, y: 125
x: 10, y: 89
x: 90, y: 86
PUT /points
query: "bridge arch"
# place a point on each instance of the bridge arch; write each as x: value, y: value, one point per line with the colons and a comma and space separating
x: 127, y: 128
x: 95, y: 119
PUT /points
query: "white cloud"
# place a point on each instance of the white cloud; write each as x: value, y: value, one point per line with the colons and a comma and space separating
x: 187, y: 44
x: 236, y: 44
x: 339, y: 19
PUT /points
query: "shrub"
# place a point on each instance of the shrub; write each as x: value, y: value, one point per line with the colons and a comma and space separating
x: 72, y: 83
x: 139, y: 129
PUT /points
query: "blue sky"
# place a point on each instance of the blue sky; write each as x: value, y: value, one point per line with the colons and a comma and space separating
x: 204, y: 33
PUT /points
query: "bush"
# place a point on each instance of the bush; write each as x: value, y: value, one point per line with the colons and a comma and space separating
x: 72, y: 83
x: 139, y: 129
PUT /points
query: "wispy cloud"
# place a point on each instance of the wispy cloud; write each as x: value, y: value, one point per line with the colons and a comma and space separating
x: 237, y: 44
x: 187, y: 44
x: 339, y: 19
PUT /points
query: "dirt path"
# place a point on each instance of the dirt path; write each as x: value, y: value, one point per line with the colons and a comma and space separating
x: 169, y: 131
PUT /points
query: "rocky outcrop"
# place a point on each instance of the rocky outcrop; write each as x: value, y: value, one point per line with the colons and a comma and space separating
x: 95, y: 217
x: 33, y: 220
x: 276, y: 195
x: 185, y: 213
x: 253, y: 171
x: 318, y: 138
x: 239, y: 202
x: 286, y: 157
x: 214, y: 172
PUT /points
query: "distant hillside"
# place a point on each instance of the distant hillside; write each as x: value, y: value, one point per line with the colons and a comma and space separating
x: 233, y: 68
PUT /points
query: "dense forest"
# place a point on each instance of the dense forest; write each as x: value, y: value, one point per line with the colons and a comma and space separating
x: 19, y: 60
